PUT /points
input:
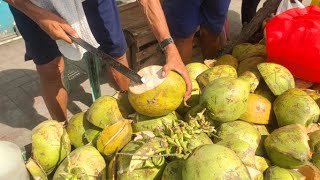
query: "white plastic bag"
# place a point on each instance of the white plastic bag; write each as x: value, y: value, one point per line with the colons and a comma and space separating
x: 286, y: 5
x: 11, y: 164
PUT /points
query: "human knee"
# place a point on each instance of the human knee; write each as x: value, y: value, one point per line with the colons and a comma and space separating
x: 51, y: 72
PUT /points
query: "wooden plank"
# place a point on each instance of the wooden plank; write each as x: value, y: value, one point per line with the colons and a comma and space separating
x: 155, y: 59
x: 147, y: 52
x: 124, y: 7
x: 141, y: 33
x: 130, y: 13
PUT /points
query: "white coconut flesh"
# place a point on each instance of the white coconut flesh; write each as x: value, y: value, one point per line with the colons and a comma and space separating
x: 151, y: 78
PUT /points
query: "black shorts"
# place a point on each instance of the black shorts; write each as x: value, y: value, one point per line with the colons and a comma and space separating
x: 184, y: 16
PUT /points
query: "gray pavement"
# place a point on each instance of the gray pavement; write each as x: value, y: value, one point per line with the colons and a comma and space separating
x: 22, y: 107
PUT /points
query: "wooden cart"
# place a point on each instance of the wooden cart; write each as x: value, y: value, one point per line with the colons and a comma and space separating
x: 143, y: 48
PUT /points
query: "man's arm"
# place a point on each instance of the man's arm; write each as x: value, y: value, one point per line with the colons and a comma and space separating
x: 154, y: 13
x: 52, y: 24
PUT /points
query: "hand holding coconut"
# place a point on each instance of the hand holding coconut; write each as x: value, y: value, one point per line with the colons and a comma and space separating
x: 158, y: 23
x: 174, y: 63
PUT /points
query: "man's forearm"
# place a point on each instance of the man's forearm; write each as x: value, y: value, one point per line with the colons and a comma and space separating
x: 27, y: 7
x: 156, y: 18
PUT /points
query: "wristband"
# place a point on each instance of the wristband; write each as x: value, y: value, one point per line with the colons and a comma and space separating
x: 165, y: 43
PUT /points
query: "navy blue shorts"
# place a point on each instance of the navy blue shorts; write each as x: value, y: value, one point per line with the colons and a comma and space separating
x: 104, y: 21
x: 184, y: 16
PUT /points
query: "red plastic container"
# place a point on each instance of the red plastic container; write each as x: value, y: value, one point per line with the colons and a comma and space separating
x: 293, y: 40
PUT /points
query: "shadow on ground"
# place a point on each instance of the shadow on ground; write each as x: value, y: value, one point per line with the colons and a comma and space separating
x: 22, y: 105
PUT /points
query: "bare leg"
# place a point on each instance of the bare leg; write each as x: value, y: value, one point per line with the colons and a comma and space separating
x: 52, y: 88
x: 184, y: 46
x: 210, y: 43
x: 121, y: 80
x: 248, y: 10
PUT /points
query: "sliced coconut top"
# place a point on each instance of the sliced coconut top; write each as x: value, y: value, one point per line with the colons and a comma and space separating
x: 151, y: 78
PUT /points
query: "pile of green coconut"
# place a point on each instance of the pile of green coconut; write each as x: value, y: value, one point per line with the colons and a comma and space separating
x: 246, y: 119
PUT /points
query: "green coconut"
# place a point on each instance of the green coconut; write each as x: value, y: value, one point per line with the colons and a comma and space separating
x: 239, y: 130
x: 261, y: 163
x: 225, y: 99
x: 195, y: 68
x: 240, y: 49
x: 173, y: 170
x: 150, y: 168
x: 278, y: 78
x: 261, y: 151
x: 227, y: 59
x: 198, y: 140
x: 36, y: 170
x: 247, y: 50
x: 316, y: 159
x: 214, y: 162
x: 84, y: 162
x: 250, y: 64
x: 295, y: 107
x: 50, y: 144
x: 157, y: 96
x: 288, y: 147
x: 243, y: 150
x: 114, y: 137
x: 314, y: 94
x: 154, y: 124
x: 314, y: 141
x: 277, y: 173
x: 251, y: 78
x: 105, y: 111
x: 264, y: 91
x: 192, y: 101
x: 80, y: 131
x: 214, y: 73
x: 124, y: 103
x: 248, y: 70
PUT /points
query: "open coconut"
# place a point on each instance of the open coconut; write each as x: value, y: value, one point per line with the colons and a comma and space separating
x: 157, y: 96
x: 258, y: 110
x: 114, y: 137
x: 36, y: 170
x: 278, y: 78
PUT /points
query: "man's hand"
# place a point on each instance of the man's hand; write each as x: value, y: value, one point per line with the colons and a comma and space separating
x: 174, y: 62
x: 55, y: 26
